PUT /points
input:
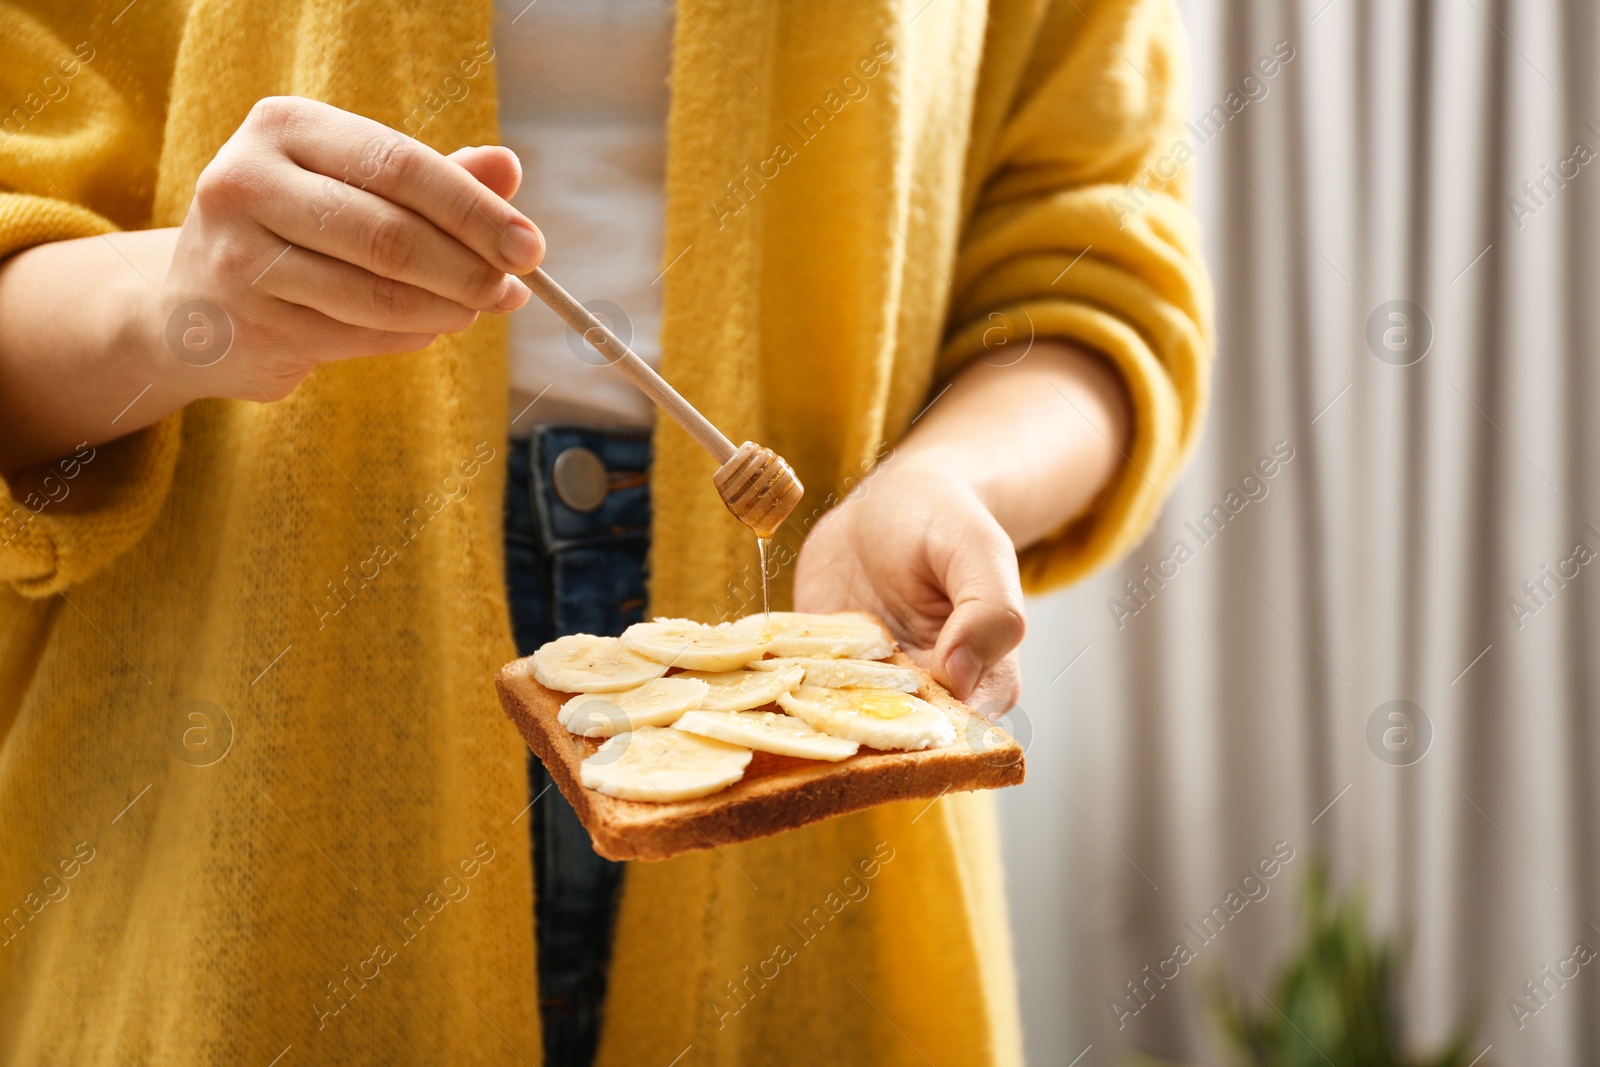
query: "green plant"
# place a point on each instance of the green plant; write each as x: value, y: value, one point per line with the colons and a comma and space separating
x: 1336, y: 1003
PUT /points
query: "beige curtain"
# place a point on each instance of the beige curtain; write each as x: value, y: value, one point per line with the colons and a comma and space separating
x: 1404, y: 225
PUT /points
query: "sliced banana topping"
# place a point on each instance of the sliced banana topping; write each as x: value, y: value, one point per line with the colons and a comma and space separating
x: 878, y: 718
x: 767, y: 731
x: 672, y: 737
x: 846, y: 673
x: 844, y: 635
x: 692, y: 645
x: 659, y: 765
x: 655, y: 703
x: 584, y: 663
x: 743, y: 690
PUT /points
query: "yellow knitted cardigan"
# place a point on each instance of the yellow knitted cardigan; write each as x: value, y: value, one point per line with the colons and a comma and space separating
x: 257, y: 799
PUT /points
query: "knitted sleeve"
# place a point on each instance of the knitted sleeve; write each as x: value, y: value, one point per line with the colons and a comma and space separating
x: 1080, y: 229
x: 74, y: 153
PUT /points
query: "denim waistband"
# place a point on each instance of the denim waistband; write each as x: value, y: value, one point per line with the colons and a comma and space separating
x: 534, y: 509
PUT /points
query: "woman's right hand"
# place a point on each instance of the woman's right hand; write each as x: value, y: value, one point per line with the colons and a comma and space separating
x: 314, y: 235
x: 321, y: 235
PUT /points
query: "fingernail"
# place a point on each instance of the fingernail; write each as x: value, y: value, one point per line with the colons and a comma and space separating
x: 525, y: 245
x: 513, y: 294
x: 963, y: 668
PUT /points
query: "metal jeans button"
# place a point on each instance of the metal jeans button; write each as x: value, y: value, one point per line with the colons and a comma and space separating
x: 580, y: 479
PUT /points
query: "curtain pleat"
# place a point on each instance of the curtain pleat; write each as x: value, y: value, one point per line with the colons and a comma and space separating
x: 1412, y: 549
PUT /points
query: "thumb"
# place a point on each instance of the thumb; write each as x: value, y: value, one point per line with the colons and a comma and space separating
x: 987, y: 619
x: 494, y: 166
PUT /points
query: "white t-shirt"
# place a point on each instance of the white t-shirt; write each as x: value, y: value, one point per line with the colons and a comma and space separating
x: 583, y: 104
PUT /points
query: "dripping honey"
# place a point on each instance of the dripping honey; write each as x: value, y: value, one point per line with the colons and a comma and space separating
x: 762, y: 544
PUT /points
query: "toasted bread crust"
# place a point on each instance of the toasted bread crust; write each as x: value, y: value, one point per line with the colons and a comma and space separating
x: 777, y: 793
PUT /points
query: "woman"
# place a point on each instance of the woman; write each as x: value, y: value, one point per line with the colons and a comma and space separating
x: 258, y: 802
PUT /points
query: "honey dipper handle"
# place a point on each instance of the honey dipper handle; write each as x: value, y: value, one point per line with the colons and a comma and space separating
x: 626, y: 360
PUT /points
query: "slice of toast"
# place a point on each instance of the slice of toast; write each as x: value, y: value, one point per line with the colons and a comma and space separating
x: 777, y: 793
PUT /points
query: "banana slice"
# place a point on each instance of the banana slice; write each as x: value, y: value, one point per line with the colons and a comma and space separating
x: 742, y: 690
x: 843, y: 635
x: 846, y: 673
x: 660, y: 765
x: 878, y: 718
x: 693, y: 646
x: 767, y: 731
x: 655, y: 703
x: 583, y: 663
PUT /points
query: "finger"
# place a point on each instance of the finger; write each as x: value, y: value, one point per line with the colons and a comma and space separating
x: 496, y: 167
x: 372, y: 157
x: 356, y: 226
x: 348, y: 294
x: 1000, y: 689
x: 987, y: 619
x: 306, y: 332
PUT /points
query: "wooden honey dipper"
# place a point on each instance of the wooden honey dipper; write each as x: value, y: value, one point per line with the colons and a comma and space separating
x: 754, y: 482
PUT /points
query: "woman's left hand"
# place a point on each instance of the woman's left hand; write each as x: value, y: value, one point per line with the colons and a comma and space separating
x: 914, y: 544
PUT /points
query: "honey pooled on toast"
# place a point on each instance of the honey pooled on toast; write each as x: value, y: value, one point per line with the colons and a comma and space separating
x: 885, y: 705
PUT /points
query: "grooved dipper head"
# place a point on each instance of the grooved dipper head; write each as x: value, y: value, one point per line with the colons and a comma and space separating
x: 758, y: 487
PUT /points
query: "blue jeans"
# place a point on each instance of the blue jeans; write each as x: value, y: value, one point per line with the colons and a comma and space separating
x: 569, y: 571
